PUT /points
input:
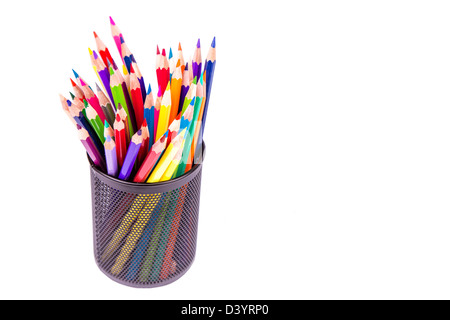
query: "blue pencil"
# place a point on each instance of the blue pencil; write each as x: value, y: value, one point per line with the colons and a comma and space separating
x: 149, y: 115
x: 210, y: 65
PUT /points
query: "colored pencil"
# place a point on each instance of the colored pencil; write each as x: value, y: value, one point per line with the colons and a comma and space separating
x: 157, y: 66
x: 95, y: 121
x: 164, y: 113
x: 162, y: 70
x: 106, y: 105
x: 210, y: 66
x: 197, y: 61
x: 173, y: 129
x: 140, y: 79
x: 76, y: 109
x: 136, y: 98
x: 130, y: 158
x: 172, y: 63
x: 184, y: 87
x: 143, y: 151
x: 167, y: 157
x: 90, y: 147
x: 77, y: 91
x: 187, y: 116
x: 120, y: 92
x: 120, y: 140
x: 191, y: 70
x: 197, y: 123
x: 180, y: 59
x: 92, y: 99
x: 190, y: 95
x: 111, y: 156
x: 126, y: 77
x: 108, y: 130
x: 156, y: 113
x: 103, y: 74
x: 175, y: 89
x: 127, y: 56
x: 187, y: 147
x: 103, y: 51
x: 149, y: 115
x: 65, y: 105
x: 151, y: 159
x: 117, y: 35
x: 173, y: 164
x: 123, y: 116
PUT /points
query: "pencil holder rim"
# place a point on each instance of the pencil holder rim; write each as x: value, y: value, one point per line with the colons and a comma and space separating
x: 149, y: 188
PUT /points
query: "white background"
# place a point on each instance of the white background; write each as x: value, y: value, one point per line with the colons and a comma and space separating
x: 327, y: 173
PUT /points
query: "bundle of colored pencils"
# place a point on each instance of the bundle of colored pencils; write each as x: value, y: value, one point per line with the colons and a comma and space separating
x: 127, y: 133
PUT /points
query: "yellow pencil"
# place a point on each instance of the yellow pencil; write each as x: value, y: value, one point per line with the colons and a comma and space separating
x: 167, y: 157
x: 173, y: 164
x: 164, y: 113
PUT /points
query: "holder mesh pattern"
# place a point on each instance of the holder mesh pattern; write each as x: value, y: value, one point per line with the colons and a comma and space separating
x: 145, y: 239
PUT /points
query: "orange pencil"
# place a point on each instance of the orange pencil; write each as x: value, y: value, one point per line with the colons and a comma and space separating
x: 175, y: 90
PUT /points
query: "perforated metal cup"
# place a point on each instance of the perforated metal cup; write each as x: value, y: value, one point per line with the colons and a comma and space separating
x: 145, y: 235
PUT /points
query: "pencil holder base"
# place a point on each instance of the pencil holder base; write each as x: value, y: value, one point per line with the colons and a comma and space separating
x: 145, y: 235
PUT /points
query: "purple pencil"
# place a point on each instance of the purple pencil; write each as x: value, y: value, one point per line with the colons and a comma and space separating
x: 130, y: 158
x: 197, y: 62
x: 184, y: 87
x: 103, y: 74
x: 90, y: 147
x: 111, y: 156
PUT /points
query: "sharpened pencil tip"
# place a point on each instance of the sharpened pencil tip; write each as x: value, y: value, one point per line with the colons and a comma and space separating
x: 95, y: 55
x: 82, y: 82
x: 90, y: 51
x: 73, y: 83
x: 170, y: 53
x: 144, y: 123
x: 163, y: 52
x: 213, y: 44
x: 106, y: 124
x: 98, y: 88
x: 75, y: 74
x: 179, y: 46
x: 198, y: 43
x: 122, y: 40
x: 95, y: 34
x: 112, y: 21
x: 149, y: 90
x: 157, y: 50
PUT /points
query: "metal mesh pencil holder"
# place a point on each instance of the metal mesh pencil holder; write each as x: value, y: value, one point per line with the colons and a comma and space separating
x: 145, y: 235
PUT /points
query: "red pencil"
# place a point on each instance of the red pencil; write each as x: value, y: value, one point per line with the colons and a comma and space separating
x: 136, y: 98
x: 121, y: 140
x: 103, y: 51
x: 78, y: 92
